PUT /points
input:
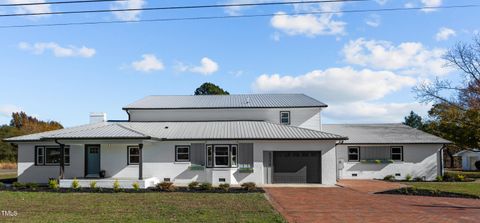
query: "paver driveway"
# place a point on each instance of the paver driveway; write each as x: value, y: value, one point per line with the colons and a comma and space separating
x: 355, y: 202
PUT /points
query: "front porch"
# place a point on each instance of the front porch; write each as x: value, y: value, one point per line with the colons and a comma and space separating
x: 125, y: 183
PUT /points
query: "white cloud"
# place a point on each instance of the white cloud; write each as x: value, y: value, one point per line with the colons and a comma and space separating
x: 57, y: 50
x: 236, y: 10
x: 129, y: 4
x: 148, y: 63
x: 409, y: 5
x: 407, y: 58
x: 337, y: 85
x: 444, y: 34
x: 376, y: 112
x: 431, y: 3
x: 30, y: 8
x: 373, y: 20
x: 381, y: 2
x: 7, y: 110
x: 207, y: 67
x: 351, y: 94
x: 311, y: 25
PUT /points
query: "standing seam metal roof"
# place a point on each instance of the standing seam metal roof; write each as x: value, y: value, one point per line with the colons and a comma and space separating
x: 225, y: 101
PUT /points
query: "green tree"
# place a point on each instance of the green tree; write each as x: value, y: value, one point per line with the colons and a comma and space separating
x: 21, y: 124
x: 414, y: 120
x: 208, y: 88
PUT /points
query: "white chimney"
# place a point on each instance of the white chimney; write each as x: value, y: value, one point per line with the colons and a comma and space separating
x: 97, y: 117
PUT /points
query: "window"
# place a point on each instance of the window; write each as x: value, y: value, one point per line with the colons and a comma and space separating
x: 234, y: 155
x: 353, y: 154
x: 397, y: 153
x: 133, y: 155
x: 51, y: 155
x: 182, y: 153
x: 221, y: 158
x: 285, y: 118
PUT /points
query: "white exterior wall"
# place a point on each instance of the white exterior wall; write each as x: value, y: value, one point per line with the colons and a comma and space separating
x: 301, y: 117
x: 28, y: 172
x: 420, y: 160
x: 469, y: 159
x: 159, y: 162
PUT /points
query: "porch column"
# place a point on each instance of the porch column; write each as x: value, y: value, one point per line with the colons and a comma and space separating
x: 140, y: 161
x: 62, y: 161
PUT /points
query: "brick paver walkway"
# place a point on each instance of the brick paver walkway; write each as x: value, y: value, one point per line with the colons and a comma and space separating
x: 355, y: 202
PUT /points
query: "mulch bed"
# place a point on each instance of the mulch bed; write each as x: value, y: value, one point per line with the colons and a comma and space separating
x: 424, y: 192
x: 148, y: 190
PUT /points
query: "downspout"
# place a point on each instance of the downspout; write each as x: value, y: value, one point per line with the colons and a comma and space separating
x: 62, y: 159
x: 337, y: 171
x: 442, y: 170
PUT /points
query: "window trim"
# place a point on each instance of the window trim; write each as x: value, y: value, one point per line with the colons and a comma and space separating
x: 358, y: 153
x: 129, y: 155
x: 215, y: 155
x: 289, y: 117
x: 44, y: 155
x: 400, y: 153
x: 176, y: 153
x: 212, y: 157
x: 231, y: 156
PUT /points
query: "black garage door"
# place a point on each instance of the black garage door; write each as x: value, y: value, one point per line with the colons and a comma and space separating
x: 297, y: 167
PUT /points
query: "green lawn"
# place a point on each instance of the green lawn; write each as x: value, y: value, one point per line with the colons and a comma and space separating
x: 7, y: 174
x: 472, y: 188
x: 468, y: 174
x: 144, y: 207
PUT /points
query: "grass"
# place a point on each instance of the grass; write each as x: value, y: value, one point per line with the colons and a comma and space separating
x: 471, y: 188
x: 7, y: 174
x: 467, y: 174
x: 137, y: 207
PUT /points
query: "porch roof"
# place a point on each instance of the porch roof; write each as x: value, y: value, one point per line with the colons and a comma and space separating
x: 211, y: 130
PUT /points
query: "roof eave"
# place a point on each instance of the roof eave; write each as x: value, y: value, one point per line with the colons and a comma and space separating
x: 258, y: 107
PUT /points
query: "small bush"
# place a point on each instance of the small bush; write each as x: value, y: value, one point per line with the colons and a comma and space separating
x: 418, y: 179
x: 166, y: 186
x: 18, y: 185
x: 224, y: 187
x: 408, y: 177
x: 116, y: 186
x: 249, y: 186
x: 75, y: 184
x: 32, y: 186
x: 439, y: 178
x: 136, y: 186
x: 93, y: 185
x: 193, y: 185
x: 205, y: 186
x: 53, y: 184
x: 389, y: 178
x: 2, y: 185
x: 460, y: 177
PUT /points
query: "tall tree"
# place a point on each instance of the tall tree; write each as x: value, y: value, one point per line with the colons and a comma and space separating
x: 21, y: 124
x: 414, y: 120
x: 455, y: 114
x: 208, y: 88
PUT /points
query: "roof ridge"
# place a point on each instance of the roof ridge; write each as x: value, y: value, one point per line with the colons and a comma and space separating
x: 313, y: 130
x: 135, y: 131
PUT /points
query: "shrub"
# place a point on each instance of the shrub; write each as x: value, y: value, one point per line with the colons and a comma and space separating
x: 136, y: 186
x: 93, y: 185
x: 193, y: 185
x: 166, y: 186
x: 460, y: 177
x: 116, y: 186
x: 53, y: 184
x: 2, y: 185
x: 418, y: 179
x: 32, y: 186
x: 75, y: 184
x: 389, y: 178
x: 205, y: 186
x: 439, y: 178
x: 408, y: 177
x: 225, y: 187
x: 249, y: 186
x: 18, y: 185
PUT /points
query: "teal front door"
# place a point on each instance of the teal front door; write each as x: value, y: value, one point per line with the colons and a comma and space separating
x: 93, y: 160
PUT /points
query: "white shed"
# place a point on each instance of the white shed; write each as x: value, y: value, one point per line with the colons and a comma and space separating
x: 469, y: 158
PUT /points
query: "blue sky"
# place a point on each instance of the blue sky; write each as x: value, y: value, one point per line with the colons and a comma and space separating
x: 363, y: 65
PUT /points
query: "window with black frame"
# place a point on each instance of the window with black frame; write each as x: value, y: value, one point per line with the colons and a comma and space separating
x: 182, y: 153
x: 396, y: 153
x: 51, y: 155
x: 353, y: 154
x: 222, y: 155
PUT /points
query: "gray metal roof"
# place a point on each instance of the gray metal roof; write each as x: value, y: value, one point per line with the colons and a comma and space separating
x: 383, y: 134
x: 215, y: 130
x: 225, y: 101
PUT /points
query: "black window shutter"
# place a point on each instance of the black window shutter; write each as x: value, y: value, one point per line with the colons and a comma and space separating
x: 245, y: 154
x: 197, y: 154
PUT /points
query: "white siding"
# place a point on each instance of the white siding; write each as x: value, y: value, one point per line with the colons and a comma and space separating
x: 419, y: 161
x: 301, y: 117
x: 159, y: 162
